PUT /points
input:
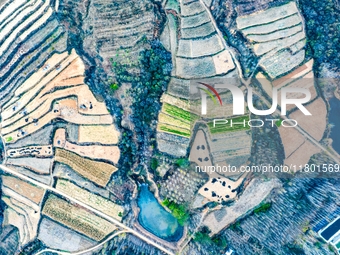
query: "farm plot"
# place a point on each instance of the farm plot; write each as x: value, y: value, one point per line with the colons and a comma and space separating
x: 41, y: 108
x: 196, y: 20
x: 41, y: 78
x: 231, y: 147
x: 301, y: 156
x: 172, y: 144
x: 31, y: 192
x: 220, y: 189
x: 173, y: 130
x: 179, y: 113
x: 19, y: 62
x: 175, y: 120
x: 77, y: 218
x: 14, y: 34
x: 301, y: 77
x: 199, y: 151
x: 11, y: 217
x: 29, y: 210
x: 195, y: 68
x: 34, y: 151
x: 208, y: 46
x: 200, y: 47
x: 179, y: 88
x: 104, y: 134
x: 98, y: 202
x: 38, y: 165
x: 57, y: 83
x: 182, y: 186
x: 28, y: 10
x: 267, y: 16
x: 10, y: 9
x: 272, y: 27
x: 97, y: 172
x: 192, y: 8
x: 276, y: 45
x: 256, y: 191
x: 296, y: 74
x: 306, y: 82
x: 242, y: 124
x: 178, y: 102
x: 167, y: 119
x: 318, y: 110
x: 71, y: 241
x: 64, y: 109
x: 110, y: 153
x: 275, y: 66
x: 203, y: 30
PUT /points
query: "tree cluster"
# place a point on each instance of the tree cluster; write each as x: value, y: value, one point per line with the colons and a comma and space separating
x: 323, y: 30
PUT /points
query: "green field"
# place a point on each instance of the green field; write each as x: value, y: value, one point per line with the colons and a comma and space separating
x: 174, y: 130
x: 179, y: 113
x: 222, y: 128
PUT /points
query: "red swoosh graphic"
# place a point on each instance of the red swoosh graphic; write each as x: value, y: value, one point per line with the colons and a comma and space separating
x: 213, y: 90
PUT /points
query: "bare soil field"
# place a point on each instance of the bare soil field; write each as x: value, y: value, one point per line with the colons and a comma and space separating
x: 314, y: 125
x: 110, y: 153
x: 256, y: 191
x: 25, y: 189
x: 104, y: 134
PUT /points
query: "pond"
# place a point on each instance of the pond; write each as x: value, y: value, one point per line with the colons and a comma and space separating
x: 334, y: 119
x: 155, y: 219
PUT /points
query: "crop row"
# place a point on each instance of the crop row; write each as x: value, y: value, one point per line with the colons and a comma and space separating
x: 98, y: 172
x: 77, y: 218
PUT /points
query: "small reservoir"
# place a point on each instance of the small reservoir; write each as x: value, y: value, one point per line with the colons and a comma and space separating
x: 155, y: 219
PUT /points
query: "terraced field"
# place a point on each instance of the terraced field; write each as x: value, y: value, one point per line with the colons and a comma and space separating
x: 275, y: 34
x: 22, y: 212
x: 77, y: 218
x: 42, y: 88
x: 24, y: 47
x: 198, y: 52
x: 175, y: 119
x: 25, y: 116
x: 118, y: 29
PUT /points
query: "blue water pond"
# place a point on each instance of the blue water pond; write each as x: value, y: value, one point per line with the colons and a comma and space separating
x: 154, y: 218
